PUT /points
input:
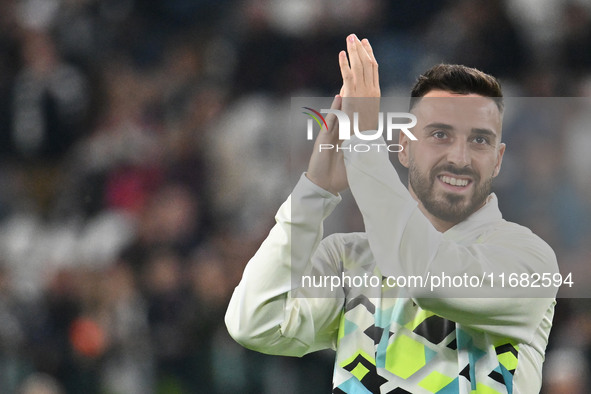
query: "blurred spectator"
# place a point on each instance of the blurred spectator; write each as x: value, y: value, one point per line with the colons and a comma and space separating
x: 128, y: 366
x: 480, y: 34
x: 208, y: 293
x: 162, y: 284
x: 565, y: 372
x: 50, y: 100
x: 575, y: 42
x: 247, y: 153
x: 40, y: 383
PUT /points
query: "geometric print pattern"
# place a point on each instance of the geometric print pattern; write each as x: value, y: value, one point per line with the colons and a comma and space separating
x: 391, y: 345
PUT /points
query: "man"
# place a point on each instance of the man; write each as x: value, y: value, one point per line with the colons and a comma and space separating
x: 391, y: 338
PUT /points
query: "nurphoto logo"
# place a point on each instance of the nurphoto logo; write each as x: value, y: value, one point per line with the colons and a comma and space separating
x: 366, y: 135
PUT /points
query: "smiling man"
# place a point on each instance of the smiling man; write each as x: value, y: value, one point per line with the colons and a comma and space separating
x: 458, y: 153
x: 422, y: 336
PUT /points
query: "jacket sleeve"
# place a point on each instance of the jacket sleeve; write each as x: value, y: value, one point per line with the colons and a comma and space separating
x: 265, y: 313
x: 404, y: 242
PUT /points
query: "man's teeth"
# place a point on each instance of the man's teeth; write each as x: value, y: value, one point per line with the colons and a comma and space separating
x: 454, y: 181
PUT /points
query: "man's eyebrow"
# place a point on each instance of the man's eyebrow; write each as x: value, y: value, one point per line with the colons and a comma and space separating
x: 436, y: 125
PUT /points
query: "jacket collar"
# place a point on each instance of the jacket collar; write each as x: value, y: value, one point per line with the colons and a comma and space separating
x: 487, y: 214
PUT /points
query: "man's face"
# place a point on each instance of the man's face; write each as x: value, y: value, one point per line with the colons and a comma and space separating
x: 457, y: 154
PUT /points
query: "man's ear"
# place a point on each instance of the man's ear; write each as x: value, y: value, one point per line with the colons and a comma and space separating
x: 404, y: 141
x: 500, y: 154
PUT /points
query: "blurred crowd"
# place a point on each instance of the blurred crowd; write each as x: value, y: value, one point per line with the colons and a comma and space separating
x: 142, y: 161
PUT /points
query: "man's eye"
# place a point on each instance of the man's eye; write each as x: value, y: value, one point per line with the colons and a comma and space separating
x: 439, y: 134
x: 481, y: 140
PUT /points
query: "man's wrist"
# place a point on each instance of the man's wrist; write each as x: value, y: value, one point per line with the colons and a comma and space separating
x: 325, y: 193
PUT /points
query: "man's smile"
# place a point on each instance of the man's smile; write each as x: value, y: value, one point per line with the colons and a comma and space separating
x: 454, y: 183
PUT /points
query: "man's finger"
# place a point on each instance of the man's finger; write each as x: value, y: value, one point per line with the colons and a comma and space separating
x: 347, y: 74
x: 374, y: 62
x: 366, y: 62
x: 354, y: 59
x: 331, y: 118
x: 368, y: 50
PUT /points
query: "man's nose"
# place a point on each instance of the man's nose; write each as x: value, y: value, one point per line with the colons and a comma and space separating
x: 459, y: 154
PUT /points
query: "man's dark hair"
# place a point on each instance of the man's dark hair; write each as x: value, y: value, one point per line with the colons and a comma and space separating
x: 459, y: 79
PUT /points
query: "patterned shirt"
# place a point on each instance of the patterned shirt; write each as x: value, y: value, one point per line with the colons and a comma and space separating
x: 389, y: 338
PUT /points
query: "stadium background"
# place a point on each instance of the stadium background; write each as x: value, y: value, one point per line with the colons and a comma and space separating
x: 142, y: 160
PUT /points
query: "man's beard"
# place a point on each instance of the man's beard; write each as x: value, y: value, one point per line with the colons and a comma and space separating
x: 449, y: 207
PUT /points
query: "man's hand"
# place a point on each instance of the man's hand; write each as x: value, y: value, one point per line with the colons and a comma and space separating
x: 327, y: 167
x: 359, y: 94
x: 361, y: 83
